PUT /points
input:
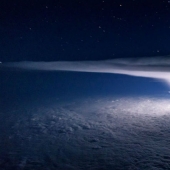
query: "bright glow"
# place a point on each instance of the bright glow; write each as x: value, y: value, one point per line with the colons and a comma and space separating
x: 141, y: 106
x: 158, y: 68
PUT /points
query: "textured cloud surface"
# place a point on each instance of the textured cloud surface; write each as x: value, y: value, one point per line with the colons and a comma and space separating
x: 94, y: 133
x: 157, y: 67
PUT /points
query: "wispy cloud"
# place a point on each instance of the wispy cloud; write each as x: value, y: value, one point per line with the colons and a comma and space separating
x: 152, y: 67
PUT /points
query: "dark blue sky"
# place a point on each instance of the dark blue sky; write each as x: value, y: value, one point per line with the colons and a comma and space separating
x: 53, y: 30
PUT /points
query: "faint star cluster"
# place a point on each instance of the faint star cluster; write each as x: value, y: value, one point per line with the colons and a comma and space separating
x: 56, y: 30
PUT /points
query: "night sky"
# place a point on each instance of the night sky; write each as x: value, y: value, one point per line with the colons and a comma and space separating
x: 84, y: 84
x: 69, y: 30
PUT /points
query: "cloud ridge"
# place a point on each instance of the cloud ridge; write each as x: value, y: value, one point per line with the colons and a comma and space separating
x: 151, y: 67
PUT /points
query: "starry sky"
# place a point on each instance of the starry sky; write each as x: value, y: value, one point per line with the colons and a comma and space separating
x: 70, y: 30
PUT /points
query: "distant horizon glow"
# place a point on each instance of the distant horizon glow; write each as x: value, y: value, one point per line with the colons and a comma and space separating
x: 153, y: 67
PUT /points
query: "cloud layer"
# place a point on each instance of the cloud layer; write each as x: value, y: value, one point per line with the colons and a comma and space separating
x: 151, y: 67
x: 88, y: 133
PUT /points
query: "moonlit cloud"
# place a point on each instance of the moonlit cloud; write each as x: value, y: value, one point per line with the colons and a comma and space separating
x: 151, y: 67
x: 142, y: 106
